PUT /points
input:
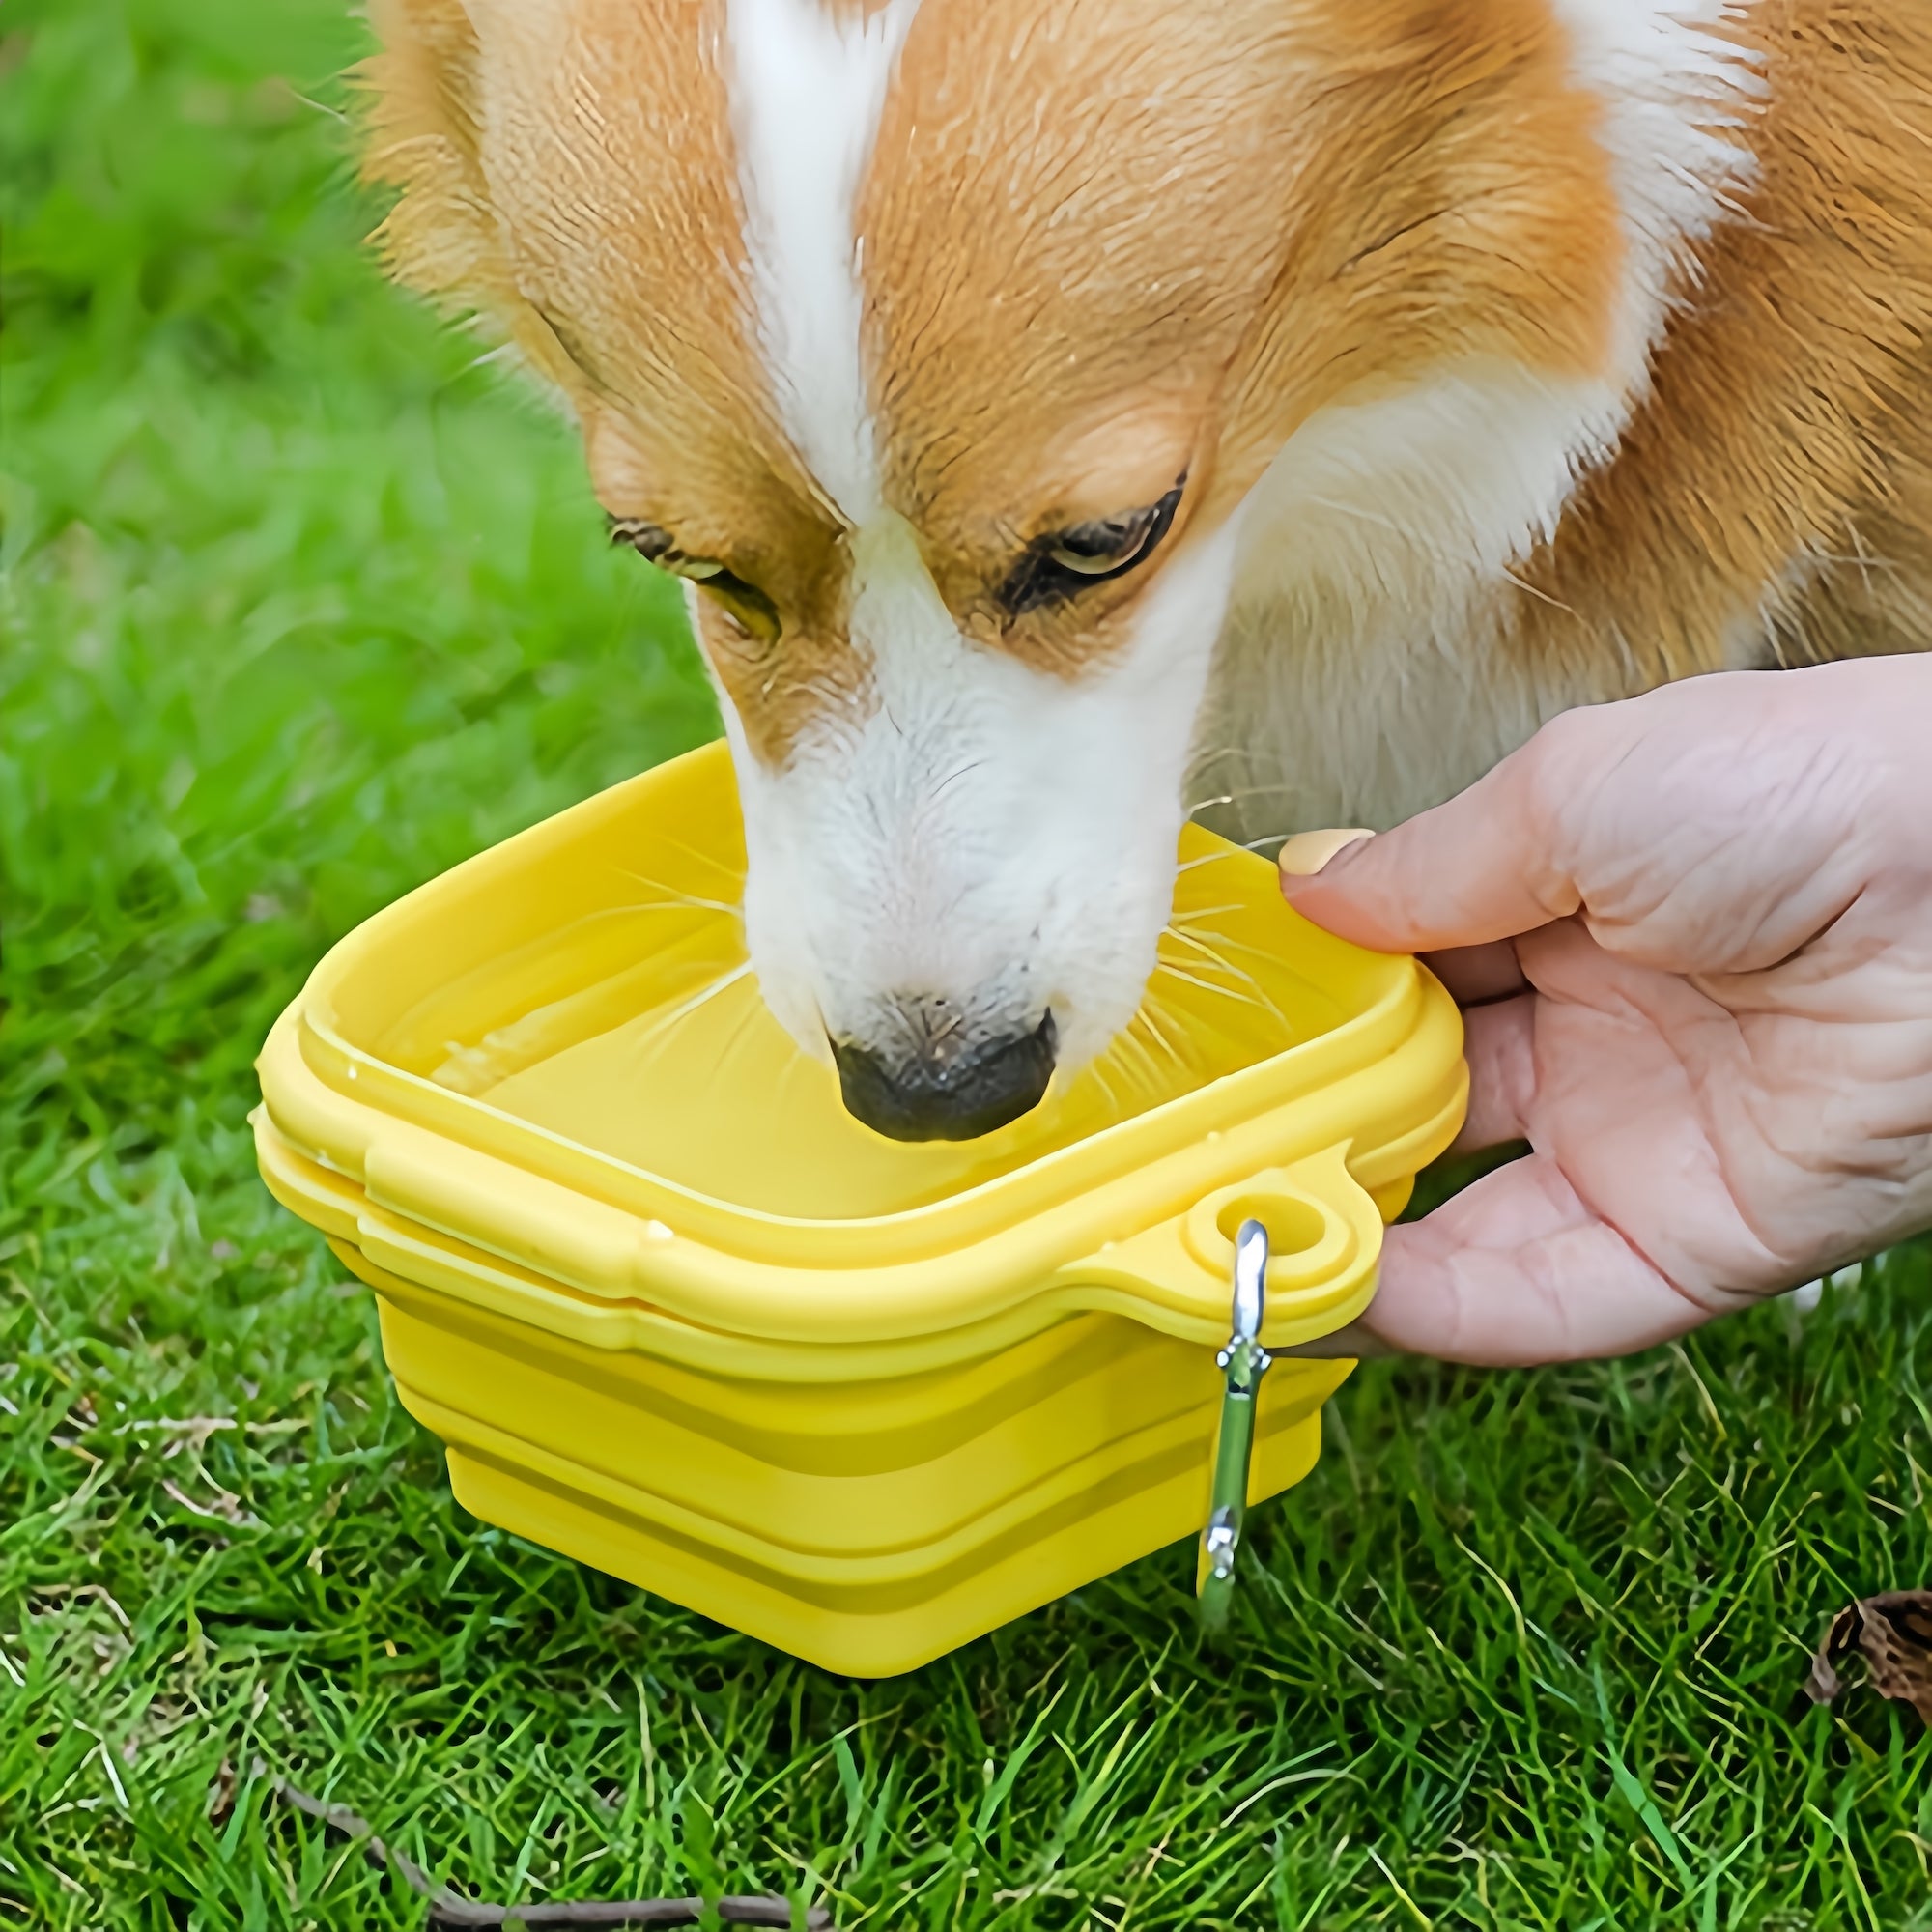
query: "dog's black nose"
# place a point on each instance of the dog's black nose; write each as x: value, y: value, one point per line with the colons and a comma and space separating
x: 933, y: 1095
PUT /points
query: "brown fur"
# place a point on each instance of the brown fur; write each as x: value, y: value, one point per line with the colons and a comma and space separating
x: 1333, y: 227
x: 581, y: 193
x: 1082, y: 280
x: 1773, y: 500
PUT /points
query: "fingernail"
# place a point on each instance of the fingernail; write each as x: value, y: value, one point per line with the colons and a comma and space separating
x: 1307, y: 852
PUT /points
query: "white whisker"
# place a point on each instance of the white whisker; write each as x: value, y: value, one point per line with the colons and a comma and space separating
x: 1201, y: 946
x: 1125, y: 1040
x: 1240, y: 946
x: 1206, y: 858
x: 664, y: 1023
x: 1240, y: 792
x: 1145, y: 1017
x: 710, y: 861
x: 673, y: 898
x: 1113, y: 1100
x: 1208, y: 986
x: 738, y: 1034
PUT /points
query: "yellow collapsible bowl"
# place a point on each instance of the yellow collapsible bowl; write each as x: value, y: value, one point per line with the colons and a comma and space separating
x: 675, y: 1313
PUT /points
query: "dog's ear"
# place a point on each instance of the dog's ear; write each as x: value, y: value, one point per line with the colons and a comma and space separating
x: 420, y: 138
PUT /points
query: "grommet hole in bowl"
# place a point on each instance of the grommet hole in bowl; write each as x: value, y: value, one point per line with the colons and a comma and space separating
x: 1311, y: 1241
x: 1294, y: 1227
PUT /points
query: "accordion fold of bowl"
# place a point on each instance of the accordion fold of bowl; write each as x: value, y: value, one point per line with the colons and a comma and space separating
x: 675, y: 1313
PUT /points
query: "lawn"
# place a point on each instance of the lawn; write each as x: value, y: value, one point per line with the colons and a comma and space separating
x: 303, y: 602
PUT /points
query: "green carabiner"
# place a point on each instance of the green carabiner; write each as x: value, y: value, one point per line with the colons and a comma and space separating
x: 1245, y: 1362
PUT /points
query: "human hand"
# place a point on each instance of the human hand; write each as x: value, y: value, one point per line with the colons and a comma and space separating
x: 1693, y: 935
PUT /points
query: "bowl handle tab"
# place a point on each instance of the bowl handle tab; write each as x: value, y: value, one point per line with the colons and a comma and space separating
x: 1325, y: 1234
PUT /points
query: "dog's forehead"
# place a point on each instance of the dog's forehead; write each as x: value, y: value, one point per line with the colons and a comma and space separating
x: 1045, y: 211
x: 1071, y: 215
x: 983, y: 262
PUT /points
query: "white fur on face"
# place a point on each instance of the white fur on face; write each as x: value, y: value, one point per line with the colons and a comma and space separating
x: 1675, y: 94
x: 1004, y: 840
x: 975, y: 830
x: 988, y: 834
x: 806, y: 88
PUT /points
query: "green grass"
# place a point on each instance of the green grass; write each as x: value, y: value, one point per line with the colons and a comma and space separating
x: 300, y: 606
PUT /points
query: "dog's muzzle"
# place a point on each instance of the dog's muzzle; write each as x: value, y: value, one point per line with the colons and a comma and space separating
x: 929, y: 1091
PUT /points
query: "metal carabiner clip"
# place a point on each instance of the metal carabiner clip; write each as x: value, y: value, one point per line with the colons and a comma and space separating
x: 1244, y: 1362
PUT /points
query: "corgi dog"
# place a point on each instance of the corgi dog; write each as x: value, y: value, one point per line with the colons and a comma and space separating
x: 1065, y: 413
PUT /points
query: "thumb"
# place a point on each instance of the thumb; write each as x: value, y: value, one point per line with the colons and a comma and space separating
x: 1479, y: 868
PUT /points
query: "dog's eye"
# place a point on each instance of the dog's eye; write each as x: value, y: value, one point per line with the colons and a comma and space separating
x: 1058, y: 565
x: 747, y: 606
x: 1106, y: 545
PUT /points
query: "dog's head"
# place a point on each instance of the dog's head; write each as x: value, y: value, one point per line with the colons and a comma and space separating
x: 946, y: 350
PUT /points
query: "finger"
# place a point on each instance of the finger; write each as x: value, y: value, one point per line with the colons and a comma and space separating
x: 1479, y: 868
x: 1307, y: 852
x: 1502, y: 1082
x: 1517, y: 1270
x: 1499, y: 1044
x: 1475, y: 974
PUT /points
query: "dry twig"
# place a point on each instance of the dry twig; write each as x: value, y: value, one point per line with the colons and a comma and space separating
x: 448, y: 1911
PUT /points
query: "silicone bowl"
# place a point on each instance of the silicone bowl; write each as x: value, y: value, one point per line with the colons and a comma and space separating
x: 675, y: 1313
